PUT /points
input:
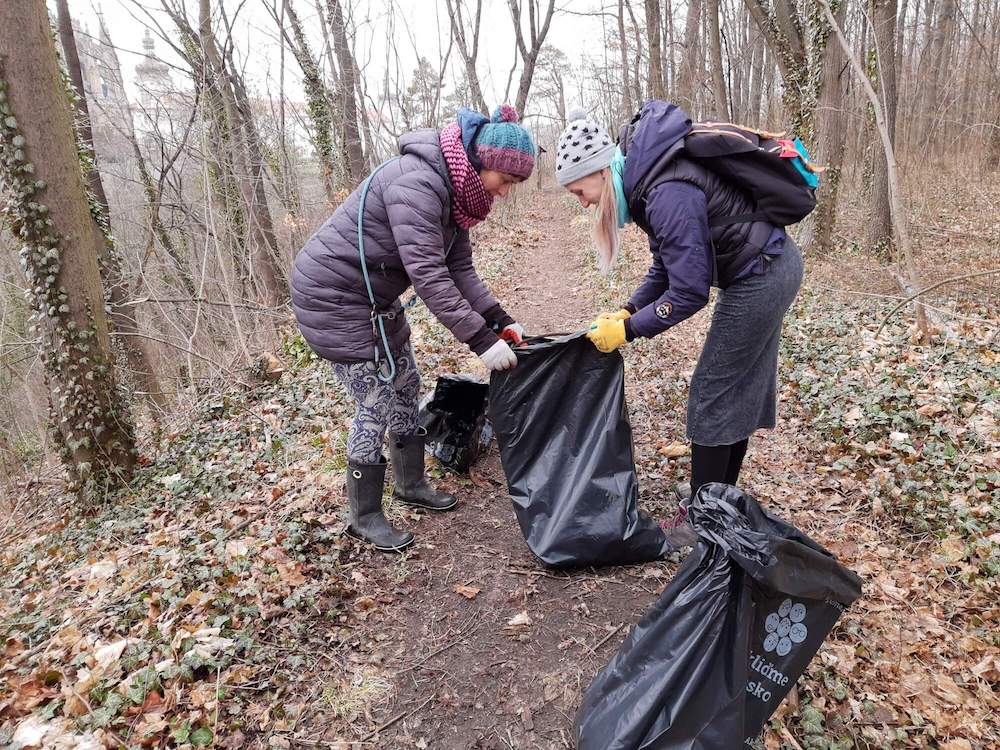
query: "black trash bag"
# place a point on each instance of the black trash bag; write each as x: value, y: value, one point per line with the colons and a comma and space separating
x: 454, y: 416
x: 566, y: 447
x: 730, y: 635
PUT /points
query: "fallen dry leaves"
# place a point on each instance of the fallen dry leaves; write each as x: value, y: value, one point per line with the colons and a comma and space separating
x: 469, y: 592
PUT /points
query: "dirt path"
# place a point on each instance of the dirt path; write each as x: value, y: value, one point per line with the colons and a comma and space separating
x: 550, y: 294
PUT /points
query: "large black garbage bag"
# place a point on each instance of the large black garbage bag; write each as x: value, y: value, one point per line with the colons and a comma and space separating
x: 730, y: 635
x: 454, y: 416
x: 566, y: 447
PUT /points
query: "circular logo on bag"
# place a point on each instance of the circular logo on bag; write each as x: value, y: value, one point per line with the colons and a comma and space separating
x: 798, y: 633
x: 784, y: 628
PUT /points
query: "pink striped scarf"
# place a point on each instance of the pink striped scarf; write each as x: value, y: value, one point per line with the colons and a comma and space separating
x: 470, y: 203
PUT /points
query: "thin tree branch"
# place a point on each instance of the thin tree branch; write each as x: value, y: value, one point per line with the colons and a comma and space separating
x: 931, y: 288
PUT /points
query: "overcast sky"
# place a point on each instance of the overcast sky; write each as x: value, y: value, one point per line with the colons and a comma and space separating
x: 421, y: 26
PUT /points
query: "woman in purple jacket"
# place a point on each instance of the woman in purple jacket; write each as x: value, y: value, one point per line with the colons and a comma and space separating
x: 415, y: 222
x: 682, y: 206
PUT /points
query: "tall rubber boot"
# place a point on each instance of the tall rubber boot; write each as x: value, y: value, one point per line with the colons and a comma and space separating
x: 365, y: 483
x: 412, y: 487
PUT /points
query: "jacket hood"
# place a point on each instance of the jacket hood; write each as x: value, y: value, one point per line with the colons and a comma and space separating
x: 661, y: 129
x: 425, y: 144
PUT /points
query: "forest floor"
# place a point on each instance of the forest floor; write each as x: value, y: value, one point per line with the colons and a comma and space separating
x: 216, y: 602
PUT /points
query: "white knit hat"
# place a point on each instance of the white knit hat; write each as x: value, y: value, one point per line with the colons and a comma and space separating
x: 584, y: 148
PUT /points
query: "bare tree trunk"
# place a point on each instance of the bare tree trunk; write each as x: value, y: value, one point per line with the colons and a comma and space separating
x: 783, y: 30
x: 904, y: 7
x: 123, y: 319
x: 561, y: 103
x: 831, y: 143
x: 756, y: 80
x: 653, y: 23
x: 627, y: 106
x: 218, y: 82
x: 670, y: 71
x: 688, y: 83
x: 328, y: 47
x: 48, y: 210
x: 972, y: 55
x: 715, y: 56
x: 767, y: 89
x: 365, y: 125
x: 883, y: 19
x: 267, y: 278
x: 538, y: 28
x: 899, y: 219
x: 468, y: 51
x: 912, y: 123
x: 637, y: 95
x: 992, y: 114
x: 348, y: 102
x: 265, y: 259
x: 84, y: 130
x: 937, y: 52
x: 318, y: 98
x: 333, y: 85
x: 230, y: 222
x: 738, y: 73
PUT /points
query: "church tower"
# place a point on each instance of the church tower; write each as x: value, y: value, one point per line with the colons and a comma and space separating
x: 152, y: 75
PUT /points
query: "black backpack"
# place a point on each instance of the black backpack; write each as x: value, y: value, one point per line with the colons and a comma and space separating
x: 775, y: 172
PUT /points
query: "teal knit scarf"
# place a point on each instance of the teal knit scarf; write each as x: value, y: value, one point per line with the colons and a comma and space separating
x: 617, y: 170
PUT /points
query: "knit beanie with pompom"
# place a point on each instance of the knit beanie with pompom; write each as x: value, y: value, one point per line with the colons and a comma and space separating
x: 504, y: 145
x: 584, y: 148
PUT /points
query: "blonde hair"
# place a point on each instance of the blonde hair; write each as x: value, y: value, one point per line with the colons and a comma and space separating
x: 605, y: 228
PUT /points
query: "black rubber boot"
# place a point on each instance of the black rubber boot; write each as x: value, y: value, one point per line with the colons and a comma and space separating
x: 412, y: 487
x: 365, y: 483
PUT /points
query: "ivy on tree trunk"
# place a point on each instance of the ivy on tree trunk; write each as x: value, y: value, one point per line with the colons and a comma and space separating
x: 48, y: 212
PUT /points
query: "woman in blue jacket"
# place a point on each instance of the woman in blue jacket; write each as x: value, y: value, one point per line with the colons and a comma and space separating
x: 756, y: 266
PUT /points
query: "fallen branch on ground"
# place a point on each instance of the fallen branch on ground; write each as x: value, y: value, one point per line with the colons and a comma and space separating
x: 931, y: 288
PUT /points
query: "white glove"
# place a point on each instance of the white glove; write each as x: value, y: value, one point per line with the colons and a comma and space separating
x: 516, y: 328
x: 499, y: 357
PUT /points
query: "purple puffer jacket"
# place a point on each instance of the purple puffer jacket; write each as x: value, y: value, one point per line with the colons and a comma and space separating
x: 408, y: 230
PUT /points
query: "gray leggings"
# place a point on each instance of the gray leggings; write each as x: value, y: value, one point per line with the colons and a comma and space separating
x: 379, y: 406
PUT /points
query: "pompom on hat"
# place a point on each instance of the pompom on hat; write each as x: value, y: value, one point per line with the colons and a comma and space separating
x: 584, y: 148
x: 504, y: 145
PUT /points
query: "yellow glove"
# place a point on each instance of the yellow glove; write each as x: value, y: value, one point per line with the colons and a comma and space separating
x: 607, y: 335
x: 622, y: 314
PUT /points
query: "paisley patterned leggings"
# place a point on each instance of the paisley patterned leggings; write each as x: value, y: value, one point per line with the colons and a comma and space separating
x: 379, y: 406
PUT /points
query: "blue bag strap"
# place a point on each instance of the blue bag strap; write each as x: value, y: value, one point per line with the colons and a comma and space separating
x: 378, y: 324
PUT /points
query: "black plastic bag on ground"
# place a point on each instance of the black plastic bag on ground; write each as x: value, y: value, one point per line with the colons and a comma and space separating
x: 566, y: 447
x: 730, y: 635
x: 454, y: 416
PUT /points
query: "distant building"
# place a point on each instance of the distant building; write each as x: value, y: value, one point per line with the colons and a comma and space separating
x: 105, y: 97
x: 153, y: 76
x: 159, y: 111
